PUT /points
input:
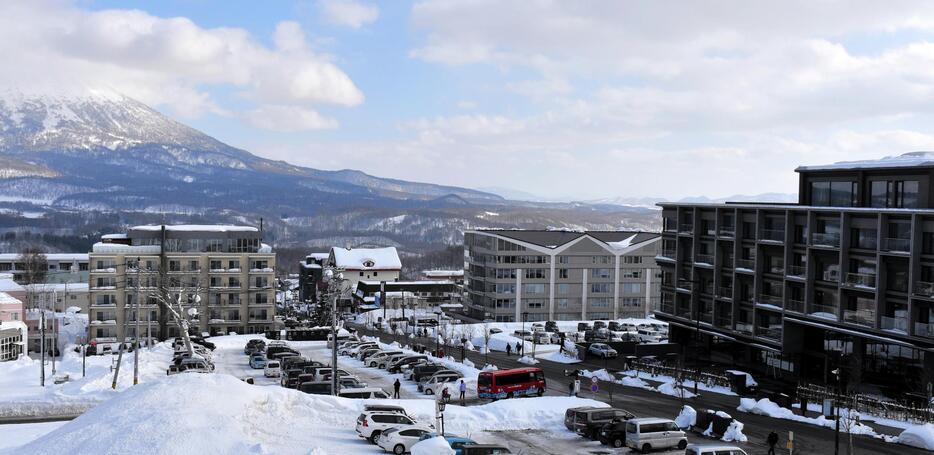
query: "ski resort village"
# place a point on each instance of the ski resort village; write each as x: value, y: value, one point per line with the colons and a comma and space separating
x: 466, y: 227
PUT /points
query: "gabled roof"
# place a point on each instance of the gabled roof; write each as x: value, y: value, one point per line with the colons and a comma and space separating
x: 366, y: 258
x: 555, y: 239
x: 911, y: 159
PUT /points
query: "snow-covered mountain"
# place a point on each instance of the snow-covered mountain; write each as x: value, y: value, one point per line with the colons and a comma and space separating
x: 93, y: 150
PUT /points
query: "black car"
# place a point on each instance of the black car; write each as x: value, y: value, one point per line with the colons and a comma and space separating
x: 316, y: 388
x: 397, y: 365
x: 483, y: 449
x: 583, y: 326
x: 551, y: 326
x: 589, y: 423
x: 425, y: 371
x: 597, y: 325
x: 613, y: 434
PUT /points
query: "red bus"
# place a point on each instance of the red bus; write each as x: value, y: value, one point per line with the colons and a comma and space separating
x: 511, y: 383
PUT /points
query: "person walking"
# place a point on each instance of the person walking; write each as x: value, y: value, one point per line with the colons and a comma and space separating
x: 446, y: 395
x: 463, y: 389
x: 577, y: 387
x: 772, y: 440
x: 571, y: 388
x: 395, y: 388
x: 519, y: 348
x: 508, y: 349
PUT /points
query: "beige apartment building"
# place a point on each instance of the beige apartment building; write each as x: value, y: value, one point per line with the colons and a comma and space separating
x: 223, y: 274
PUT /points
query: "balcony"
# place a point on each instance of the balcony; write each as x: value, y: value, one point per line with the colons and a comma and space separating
x: 832, y: 276
x: 704, y: 259
x: 924, y: 329
x: 794, y: 305
x: 924, y: 288
x: 770, y: 300
x: 743, y: 327
x: 796, y: 271
x: 685, y: 285
x: 772, y: 333
x: 686, y: 228
x: 865, y: 318
x: 830, y: 239
x: 723, y: 321
x: 896, y: 245
x: 725, y: 292
x: 683, y: 312
x: 773, y: 235
x: 824, y: 311
x: 777, y: 269
x: 861, y: 280
x: 895, y: 324
x: 748, y: 264
x: 727, y: 231
x: 667, y: 308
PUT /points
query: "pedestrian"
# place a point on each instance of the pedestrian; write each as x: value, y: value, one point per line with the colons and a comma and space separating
x: 577, y: 387
x: 508, y: 349
x: 446, y: 394
x: 395, y: 388
x: 519, y: 348
x: 772, y: 440
x: 463, y: 390
x: 571, y: 388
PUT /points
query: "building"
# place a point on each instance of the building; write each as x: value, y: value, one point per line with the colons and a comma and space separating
x: 224, y: 272
x: 12, y: 334
x: 843, y: 280
x: 559, y: 275
x: 310, y: 276
x: 363, y: 264
x: 425, y: 295
x: 63, y: 268
x: 457, y: 276
x: 11, y: 308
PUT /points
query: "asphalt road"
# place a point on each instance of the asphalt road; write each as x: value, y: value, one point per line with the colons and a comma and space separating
x: 809, y: 439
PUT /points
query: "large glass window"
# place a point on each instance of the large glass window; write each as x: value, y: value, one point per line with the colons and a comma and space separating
x: 820, y: 193
x: 842, y: 194
x: 894, y: 193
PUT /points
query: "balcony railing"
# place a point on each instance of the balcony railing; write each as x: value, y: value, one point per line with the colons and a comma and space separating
x: 865, y: 280
x: 830, y: 275
x: 896, y: 324
x: 746, y: 263
x: 774, y: 235
x: 924, y: 329
x: 771, y: 299
x: 722, y: 321
x: 727, y: 231
x: 896, y: 244
x: 683, y: 312
x: 667, y: 307
x: 860, y: 317
x: 743, y: 327
x: 777, y: 269
x: 725, y: 292
x: 687, y: 228
x: 773, y: 333
x: 826, y: 239
x: 669, y: 253
x: 794, y: 305
x: 704, y: 259
x: 686, y: 285
x: 799, y: 271
x: 924, y: 288
x: 706, y: 317
x: 824, y: 311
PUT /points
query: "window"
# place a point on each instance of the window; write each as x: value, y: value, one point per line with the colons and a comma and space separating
x: 601, y: 259
x: 599, y: 288
x: 533, y: 288
x: 563, y: 273
x: 842, y: 194
x: 600, y: 273
x: 894, y: 193
x: 632, y: 259
x: 632, y: 288
x: 534, y: 304
x: 561, y: 303
x: 563, y: 288
x: 600, y: 302
x: 535, y: 273
x: 505, y: 274
x: 632, y: 301
x: 632, y: 274
x: 505, y: 288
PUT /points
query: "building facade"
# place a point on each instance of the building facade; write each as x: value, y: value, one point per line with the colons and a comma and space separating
x: 224, y: 272
x: 511, y: 275
x: 63, y: 267
x: 310, y: 276
x: 425, y: 295
x: 363, y: 264
x: 842, y: 281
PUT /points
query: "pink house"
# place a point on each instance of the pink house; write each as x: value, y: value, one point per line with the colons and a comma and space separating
x: 11, y: 308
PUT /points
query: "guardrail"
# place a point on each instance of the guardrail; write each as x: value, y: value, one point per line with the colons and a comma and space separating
x: 889, y: 409
x: 663, y: 369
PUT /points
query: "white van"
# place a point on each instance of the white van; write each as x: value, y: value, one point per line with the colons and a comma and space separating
x: 363, y: 392
x: 651, y: 433
x: 272, y: 369
x: 713, y: 449
x: 650, y: 336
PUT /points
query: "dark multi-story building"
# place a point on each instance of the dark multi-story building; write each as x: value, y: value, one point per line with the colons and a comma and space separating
x: 511, y: 275
x: 310, y: 276
x: 842, y: 279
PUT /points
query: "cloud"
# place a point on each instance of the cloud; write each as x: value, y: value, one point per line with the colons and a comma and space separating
x: 348, y: 13
x: 171, y: 62
x: 289, y: 119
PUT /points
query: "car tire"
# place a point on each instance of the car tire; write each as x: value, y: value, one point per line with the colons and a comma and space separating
x: 682, y: 444
x: 646, y: 448
x: 399, y: 449
x: 429, y: 392
x: 375, y: 434
x: 509, y: 395
x: 617, y: 442
x: 541, y: 391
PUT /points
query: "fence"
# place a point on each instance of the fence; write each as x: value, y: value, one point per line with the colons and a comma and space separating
x: 661, y: 369
x: 868, y: 405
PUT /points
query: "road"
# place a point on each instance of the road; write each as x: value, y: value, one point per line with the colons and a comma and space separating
x: 809, y: 439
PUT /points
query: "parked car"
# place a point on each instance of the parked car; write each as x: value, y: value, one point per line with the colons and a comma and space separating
x: 647, y: 434
x: 349, y: 350
x: 398, y: 363
x: 570, y: 415
x: 436, y: 382
x: 523, y: 335
x: 597, y: 325
x: 324, y: 374
x: 316, y: 387
x: 495, y: 330
x: 363, y: 353
x: 351, y: 383
x: 713, y: 449
x: 484, y: 449
x: 422, y: 372
x: 387, y: 361
x: 650, y: 336
x: 253, y: 344
x: 551, y: 326
x: 374, y: 360
x: 370, y: 424
x: 384, y: 408
x: 271, y: 370
x: 583, y: 327
x: 589, y: 423
x: 603, y: 351
x: 364, y: 392
x: 613, y: 434
x: 400, y: 440
x: 456, y: 442
x: 257, y: 362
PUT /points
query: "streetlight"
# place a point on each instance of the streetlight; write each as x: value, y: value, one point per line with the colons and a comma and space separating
x: 836, y: 414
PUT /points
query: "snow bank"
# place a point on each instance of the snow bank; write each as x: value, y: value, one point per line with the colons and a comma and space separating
x: 734, y: 432
x: 750, y: 382
x: 686, y: 418
x: 527, y: 360
x: 219, y: 414
x: 768, y: 408
x: 600, y: 374
x: 669, y: 388
x: 559, y: 357
x: 433, y: 446
x: 920, y: 436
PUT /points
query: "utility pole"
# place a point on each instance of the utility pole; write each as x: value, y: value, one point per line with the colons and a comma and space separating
x: 136, y: 334
x: 41, y: 337
x: 54, y: 327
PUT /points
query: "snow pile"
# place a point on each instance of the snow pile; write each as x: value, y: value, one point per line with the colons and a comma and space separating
x: 600, y: 374
x: 750, y: 382
x: 433, y: 446
x: 630, y: 381
x: 219, y: 414
x: 686, y: 418
x: 490, y: 367
x: 669, y: 388
x: 527, y: 360
x: 734, y: 432
x: 920, y: 436
x: 468, y: 363
x: 768, y: 408
x: 559, y: 357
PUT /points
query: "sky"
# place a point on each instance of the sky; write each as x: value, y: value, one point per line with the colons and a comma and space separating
x: 564, y: 100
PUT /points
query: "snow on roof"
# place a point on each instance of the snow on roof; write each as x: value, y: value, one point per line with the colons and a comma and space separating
x: 49, y: 256
x: 197, y: 228
x: 911, y: 159
x: 113, y: 236
x: 7, y: 299
x: 622, y: 244
x: 113, y: 248
x: 310, y: 266
x: 318, y: 256
x: 62, y: 287
x: 367, y: 258
x: 8, y: 285
x: 442, y: 273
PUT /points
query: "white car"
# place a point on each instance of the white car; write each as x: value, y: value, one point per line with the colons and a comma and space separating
x: 371, y: 424
x: 650, y: 336
x: 437, y: 382
x: 272, y: 369
x: 400, y: 440
x: 375, y: 359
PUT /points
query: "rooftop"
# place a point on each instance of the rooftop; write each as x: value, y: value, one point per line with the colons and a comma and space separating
x: 910, y: 159
x: 556, y: 238
x: 367, y: 258
x: 49, y: 256
x: 196, y: 228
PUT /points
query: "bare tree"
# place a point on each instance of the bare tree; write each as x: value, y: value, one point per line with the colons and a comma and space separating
x: 34, y: 264
x: 486, y: 342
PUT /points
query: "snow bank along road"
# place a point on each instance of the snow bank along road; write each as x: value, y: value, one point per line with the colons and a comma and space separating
x: 809, y: 439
